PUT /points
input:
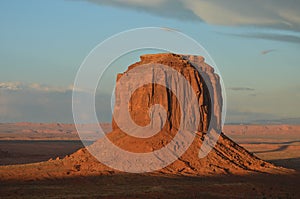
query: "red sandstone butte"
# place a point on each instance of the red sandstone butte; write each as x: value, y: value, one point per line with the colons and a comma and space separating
x: 226, y: 157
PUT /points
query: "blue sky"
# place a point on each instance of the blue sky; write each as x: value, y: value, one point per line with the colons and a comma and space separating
x: 43, y: 43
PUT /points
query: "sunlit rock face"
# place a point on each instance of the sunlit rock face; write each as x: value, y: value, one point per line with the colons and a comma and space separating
x: 200, y: 76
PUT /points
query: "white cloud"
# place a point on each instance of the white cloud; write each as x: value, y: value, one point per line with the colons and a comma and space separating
x: 243, y: 12
x: 10, y: 86
x: 46, y: 88
x: 18, y: 86
x: 43, y: 103
x: 265, y: 13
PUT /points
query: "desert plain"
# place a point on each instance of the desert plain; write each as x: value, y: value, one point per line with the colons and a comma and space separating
x: 27, y: 144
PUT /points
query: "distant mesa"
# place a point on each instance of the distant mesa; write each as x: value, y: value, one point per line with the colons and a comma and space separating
x: 226, y: 157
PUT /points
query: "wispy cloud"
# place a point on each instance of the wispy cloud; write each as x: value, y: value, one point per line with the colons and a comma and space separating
x: 267, y: 13
x: 18, y: 86
x: 13, y: 86
x: 43, y: 103
x: 241, y: 89
x: 237, y: 116
x: 252, y: 94
x: 34, y: 102
x: 36, y: 106
x: 166, y: 8
x: 269, y: 36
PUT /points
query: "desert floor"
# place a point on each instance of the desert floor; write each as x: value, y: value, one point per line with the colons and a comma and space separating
x: 27, y: 143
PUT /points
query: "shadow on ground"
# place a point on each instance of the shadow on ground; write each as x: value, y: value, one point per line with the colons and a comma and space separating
x: 151, y: 186
x: 291, y: 163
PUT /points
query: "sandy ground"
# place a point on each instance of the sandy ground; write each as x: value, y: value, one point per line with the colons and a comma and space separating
x: 279, y: 144
x: 25, y: 143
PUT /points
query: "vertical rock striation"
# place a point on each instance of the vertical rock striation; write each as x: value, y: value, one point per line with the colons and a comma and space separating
x: 148, y: 95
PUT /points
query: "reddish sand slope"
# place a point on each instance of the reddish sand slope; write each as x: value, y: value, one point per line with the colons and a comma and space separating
x: 226, y: 158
